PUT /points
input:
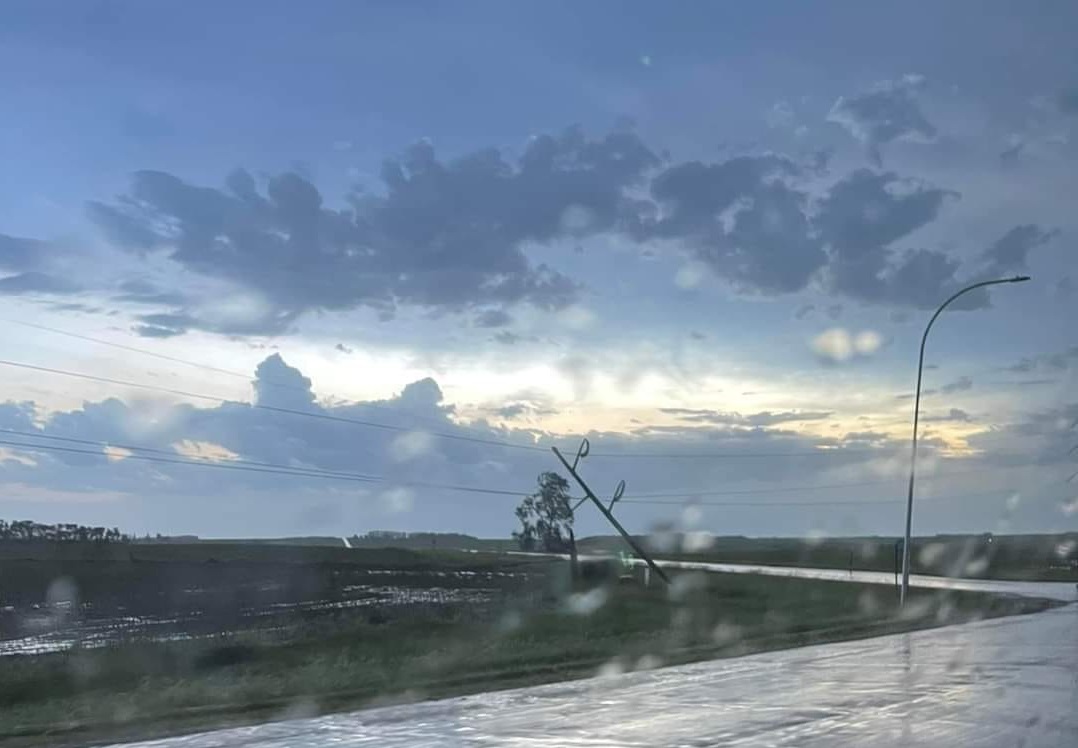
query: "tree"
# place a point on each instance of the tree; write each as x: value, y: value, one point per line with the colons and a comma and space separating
x: 546, y: 517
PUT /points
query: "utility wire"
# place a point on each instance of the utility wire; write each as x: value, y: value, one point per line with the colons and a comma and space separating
x: 274, y: 468
x: 836, y: 502
x: 439, y: 434
x: 278, y: 470
x: 283, y: 470
x: 814, y: 486
x: 316, y: 470
x: 207, y: 367
x: 270, y: 408
x: 173, y: 455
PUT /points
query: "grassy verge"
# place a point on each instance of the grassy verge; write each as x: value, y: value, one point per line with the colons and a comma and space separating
x: 369, y: 657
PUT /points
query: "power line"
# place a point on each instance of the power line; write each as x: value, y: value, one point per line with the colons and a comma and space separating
x: 276, y: 470
x: 812, y: 487
x: 820, y: 452
x: 835, y: 502
x: 283, y: 470
x: 207, y: 367
x: 404, y: 429
x: 271, y: 408
x: 639, y: 496
x: 173, y: 454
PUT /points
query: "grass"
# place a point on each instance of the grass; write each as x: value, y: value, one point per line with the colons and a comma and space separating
x: 371, y: 656
x: 1011, y: 557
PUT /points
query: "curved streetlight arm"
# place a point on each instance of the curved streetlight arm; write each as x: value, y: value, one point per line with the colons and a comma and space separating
x: 916, y: 415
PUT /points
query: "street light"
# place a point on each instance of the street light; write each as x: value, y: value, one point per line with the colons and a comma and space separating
x: 916, y: 414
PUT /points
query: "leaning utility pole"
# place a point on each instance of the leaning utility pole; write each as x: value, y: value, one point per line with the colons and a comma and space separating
x: 583, y: 452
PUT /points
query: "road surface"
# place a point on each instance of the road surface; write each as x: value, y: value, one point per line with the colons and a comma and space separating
x: 1006, y: 682
x: 1055, y: 590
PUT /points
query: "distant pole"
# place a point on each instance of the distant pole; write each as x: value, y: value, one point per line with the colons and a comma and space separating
x: 916, y: 415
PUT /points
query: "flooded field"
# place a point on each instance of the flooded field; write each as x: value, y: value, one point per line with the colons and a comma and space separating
x: 51, y: 608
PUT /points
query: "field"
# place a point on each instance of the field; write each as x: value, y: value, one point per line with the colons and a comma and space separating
x: 112, y: 642
x: 1046, y: 557
x: 1017, y: 557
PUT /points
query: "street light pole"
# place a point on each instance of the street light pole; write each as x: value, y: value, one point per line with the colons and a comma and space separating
x: 916, y: 415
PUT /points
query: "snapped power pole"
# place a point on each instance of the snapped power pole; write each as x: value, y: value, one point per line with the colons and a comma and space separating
x: 640, y: 552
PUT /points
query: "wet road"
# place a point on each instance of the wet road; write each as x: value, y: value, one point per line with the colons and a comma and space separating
x: 1054, y: 590
x: 1006, y: 682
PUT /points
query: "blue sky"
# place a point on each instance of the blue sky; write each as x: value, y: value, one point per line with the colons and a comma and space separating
x: 702, y: 228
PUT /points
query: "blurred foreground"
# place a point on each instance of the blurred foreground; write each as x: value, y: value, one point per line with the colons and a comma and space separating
x: 176, y: 638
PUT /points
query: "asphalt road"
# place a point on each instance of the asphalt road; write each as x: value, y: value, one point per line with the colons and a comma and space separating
x: 1055, y: 590
x: 1005, y: 682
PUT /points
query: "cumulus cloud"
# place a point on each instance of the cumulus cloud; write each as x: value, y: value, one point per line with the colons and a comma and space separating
x: 203, y: 499
x: 445, y: 235
x: 886, y: 112
x: 450, y: 235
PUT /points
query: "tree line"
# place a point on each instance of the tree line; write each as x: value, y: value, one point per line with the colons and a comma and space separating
x: 61, y: 532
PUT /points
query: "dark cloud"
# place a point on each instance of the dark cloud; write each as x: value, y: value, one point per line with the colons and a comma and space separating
x: 804, y: 311
x: 697, y: 335
x: 444, y: 235
x: 860, y: 219
x: 887, y: 112
x: 741, y: 218
x: 342, y: 348
x: 867, y: 210
x: 1010, y: 252
x: 954, y: 414
x: 449, y: 236
x: 834, y: 311
x: 493, y: 318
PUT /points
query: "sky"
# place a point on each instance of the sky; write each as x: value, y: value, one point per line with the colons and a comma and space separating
x: 414, y: 245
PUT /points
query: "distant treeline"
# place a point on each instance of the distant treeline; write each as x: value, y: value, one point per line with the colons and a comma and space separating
x: 69, y: 533
x: 423, y: 540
